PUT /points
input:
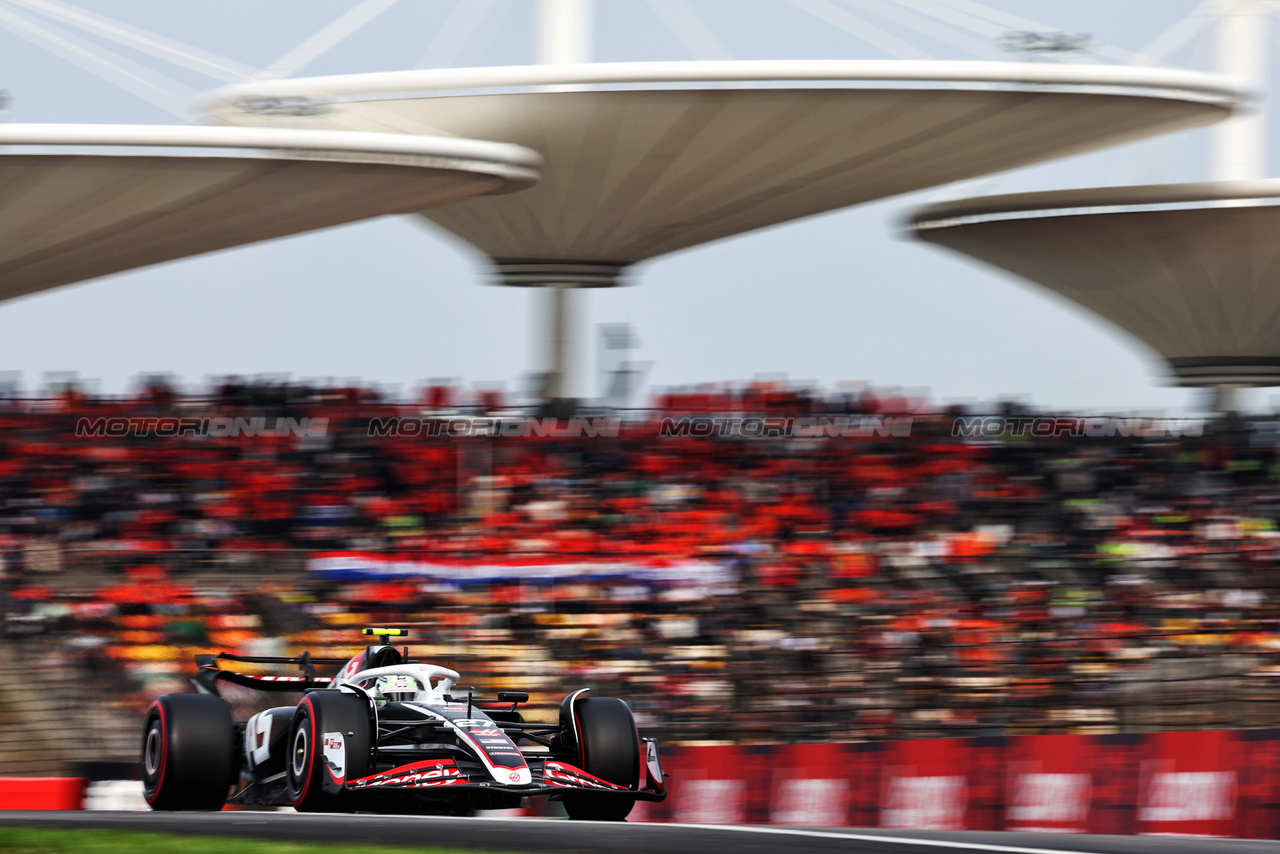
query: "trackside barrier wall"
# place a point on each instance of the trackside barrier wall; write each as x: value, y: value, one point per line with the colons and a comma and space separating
x: 1216, y: 783
x: 42, y: 793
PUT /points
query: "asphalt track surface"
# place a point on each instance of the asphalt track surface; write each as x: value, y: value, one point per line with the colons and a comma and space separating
x: 542, y: 835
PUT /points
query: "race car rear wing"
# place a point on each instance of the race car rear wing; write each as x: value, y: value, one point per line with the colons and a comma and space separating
x: 209, y: 673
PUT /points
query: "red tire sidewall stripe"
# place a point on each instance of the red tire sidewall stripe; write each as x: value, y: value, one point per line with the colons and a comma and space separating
x: 311, y: 749
x: 164, y: 752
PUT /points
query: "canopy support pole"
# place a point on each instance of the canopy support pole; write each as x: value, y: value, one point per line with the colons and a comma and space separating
x: 1239, y: 143
x: 558, y: 334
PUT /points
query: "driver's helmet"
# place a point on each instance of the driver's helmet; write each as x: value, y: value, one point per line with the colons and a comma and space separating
x: 396, y: 689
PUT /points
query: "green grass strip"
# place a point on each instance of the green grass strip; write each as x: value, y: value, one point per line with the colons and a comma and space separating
x: 40, y: 840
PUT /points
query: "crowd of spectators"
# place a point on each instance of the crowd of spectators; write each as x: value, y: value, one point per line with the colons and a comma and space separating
x: 904, y: 579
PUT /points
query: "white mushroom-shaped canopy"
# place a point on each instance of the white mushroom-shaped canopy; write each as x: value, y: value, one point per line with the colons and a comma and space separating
x: 104, y: 200
x: 1192, y: 270
x: 648, y: 158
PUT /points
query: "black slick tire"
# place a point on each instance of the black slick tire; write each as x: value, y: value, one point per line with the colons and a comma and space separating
x: 188, y: 752
x: 306, y: 771
x: 608, y: 748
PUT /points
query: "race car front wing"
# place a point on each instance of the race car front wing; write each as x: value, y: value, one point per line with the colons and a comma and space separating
x: 549, y: 777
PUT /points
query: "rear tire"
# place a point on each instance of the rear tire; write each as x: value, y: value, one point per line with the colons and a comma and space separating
x: 188, y: 752
x: 305, y: 767
x: 608, y: 748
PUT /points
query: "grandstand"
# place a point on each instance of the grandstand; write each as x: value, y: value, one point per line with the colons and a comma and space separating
x: 911, y: 585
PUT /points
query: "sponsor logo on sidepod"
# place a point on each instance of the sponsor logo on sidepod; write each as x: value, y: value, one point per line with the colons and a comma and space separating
x: 335, y: 756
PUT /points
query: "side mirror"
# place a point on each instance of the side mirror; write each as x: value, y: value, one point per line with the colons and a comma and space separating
x: 513, y: 696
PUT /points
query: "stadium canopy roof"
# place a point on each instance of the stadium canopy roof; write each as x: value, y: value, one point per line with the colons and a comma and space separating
x: 82, y: 213
x: 1190, y: 269
x: 648, y: 158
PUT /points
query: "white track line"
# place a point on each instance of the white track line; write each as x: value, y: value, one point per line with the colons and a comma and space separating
x: 797, y: 831
x: 895, y: 840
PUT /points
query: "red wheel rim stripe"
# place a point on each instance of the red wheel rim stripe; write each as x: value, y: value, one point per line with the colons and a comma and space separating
x: 164, y: 752
x: 311, y: 748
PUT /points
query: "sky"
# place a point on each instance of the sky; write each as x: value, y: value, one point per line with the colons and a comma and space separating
x: 841, y: 297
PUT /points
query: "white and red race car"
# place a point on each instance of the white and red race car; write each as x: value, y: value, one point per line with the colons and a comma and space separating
x: 389, y: 734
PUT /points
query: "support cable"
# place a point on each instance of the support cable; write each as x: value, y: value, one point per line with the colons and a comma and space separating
x: 689, y: 28
x: 193, y: 58
x: 455, y: 33
x: 327, y: 38
x: 1182, y: 32
x: 860, y: 29
x: 926, y: 27
x: 160, y: 91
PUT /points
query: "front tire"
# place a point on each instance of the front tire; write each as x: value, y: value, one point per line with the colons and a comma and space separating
x: 608, y: 748
x: 310, y: 781
x: 188, y: 752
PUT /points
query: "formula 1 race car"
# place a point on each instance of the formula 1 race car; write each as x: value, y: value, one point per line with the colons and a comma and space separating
x: 389, y: 734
